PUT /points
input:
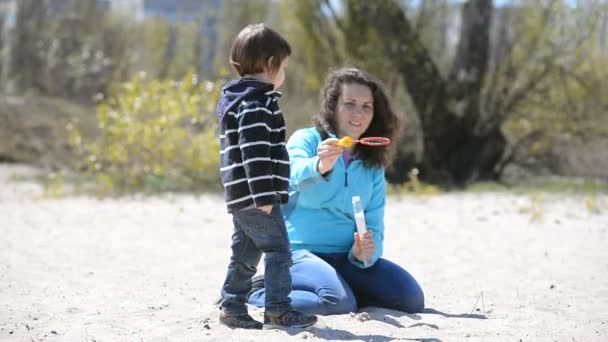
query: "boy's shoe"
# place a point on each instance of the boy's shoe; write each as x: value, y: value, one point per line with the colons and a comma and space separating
x: 289, y: 319
x: 241, y: 321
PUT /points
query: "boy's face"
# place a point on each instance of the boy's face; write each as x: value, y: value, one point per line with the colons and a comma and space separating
x: 279, y: 76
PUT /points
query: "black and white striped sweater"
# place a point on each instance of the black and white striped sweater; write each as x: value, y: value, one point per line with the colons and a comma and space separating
x: 254, y: 161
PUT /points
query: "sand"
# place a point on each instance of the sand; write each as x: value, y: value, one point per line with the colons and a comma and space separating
x: 494, y: 267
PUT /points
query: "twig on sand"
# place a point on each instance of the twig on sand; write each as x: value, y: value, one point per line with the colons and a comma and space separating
x: 483, y: 304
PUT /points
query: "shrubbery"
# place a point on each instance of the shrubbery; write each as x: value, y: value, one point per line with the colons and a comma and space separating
x: 154, y: 136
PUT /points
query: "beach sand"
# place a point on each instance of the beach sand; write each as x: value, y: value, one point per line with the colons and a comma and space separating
x: 150, y: 269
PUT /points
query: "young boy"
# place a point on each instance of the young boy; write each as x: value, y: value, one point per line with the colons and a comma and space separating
x: 255, y: 174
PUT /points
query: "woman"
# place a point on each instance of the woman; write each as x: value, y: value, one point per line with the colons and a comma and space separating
x: 335, y: 269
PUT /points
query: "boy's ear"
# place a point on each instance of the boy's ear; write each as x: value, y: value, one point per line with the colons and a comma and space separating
x: 269, y: 67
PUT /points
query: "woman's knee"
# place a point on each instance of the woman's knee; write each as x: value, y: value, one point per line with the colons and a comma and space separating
x: 336, y: 304
x: 404, y: 294
x: 417, y: 303
x: 410, y: 301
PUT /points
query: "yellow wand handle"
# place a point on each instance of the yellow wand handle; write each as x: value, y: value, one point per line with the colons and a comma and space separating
x: 346, y: 141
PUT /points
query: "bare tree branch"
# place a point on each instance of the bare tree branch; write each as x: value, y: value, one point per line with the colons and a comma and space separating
x: 505, y: 97
x: 334, y: 16
x: 319, y: 31
x: 471, y: 61
x: 506, y: 44
x: 514, y: 149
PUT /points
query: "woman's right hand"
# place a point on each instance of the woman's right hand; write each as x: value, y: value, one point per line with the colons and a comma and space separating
x: 364, y: 246
x: 328, y: 152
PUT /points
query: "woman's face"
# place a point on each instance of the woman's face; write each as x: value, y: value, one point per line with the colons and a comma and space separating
x: 354, y: 111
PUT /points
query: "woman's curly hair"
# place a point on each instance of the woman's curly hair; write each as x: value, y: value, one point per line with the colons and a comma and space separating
x: 385, y: 122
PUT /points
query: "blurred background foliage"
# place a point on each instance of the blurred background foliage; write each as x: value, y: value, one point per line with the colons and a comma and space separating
x: 153, y: 136
x: 125, y: 91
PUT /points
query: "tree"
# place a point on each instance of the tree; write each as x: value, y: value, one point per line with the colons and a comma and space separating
x: 234, y: 16
x: 448, y: 108
x: 65, y: 54
x: 462, y: 111
x: 25, y: 55
x: 557, y: 51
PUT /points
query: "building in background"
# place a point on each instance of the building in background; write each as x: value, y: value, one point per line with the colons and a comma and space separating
x: 173, y: 11
x: 203, y: 12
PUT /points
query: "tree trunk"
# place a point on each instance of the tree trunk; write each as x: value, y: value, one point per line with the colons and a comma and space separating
x: 479, y: 151
x: 449, y: 110
x: 26, y: 62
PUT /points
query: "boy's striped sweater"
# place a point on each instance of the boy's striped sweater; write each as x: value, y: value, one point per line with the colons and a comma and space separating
x: 254, y: 161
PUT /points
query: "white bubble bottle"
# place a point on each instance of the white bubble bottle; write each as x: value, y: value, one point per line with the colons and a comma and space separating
x: 360, y: 220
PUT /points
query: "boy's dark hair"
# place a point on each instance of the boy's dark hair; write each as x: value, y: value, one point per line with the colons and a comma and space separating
x: 253, y: 47
x: 385, y: 122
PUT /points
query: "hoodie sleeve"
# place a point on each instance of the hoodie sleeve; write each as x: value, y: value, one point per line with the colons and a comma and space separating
x: 302, y: 149
x: 255, y: 122
x: 374, y: 218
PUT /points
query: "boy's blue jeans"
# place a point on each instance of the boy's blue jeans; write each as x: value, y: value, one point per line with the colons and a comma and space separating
x: 256, y: 232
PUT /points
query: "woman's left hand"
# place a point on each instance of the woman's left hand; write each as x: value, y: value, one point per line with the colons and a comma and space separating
x: 364, y: 246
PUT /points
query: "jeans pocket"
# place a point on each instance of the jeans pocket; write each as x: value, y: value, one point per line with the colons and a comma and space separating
x: 257, y: 218
x: 256, y: 214
x: 263, y: 228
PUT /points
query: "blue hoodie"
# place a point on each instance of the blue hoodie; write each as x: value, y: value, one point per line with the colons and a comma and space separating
x: 319, y: 215
x: 254, y: 163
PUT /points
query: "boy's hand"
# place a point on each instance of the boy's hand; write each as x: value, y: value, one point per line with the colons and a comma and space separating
x: 266, y: 208
x: 364, y: 246
x: 328, y: 152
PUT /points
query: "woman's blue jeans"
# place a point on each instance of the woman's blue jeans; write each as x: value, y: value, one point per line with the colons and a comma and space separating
x: 326, y: 284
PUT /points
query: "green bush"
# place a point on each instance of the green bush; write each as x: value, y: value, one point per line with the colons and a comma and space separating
x: 413, y: 187
x: 154, y: 135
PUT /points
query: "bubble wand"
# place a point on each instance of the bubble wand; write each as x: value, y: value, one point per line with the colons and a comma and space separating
x: 369, y: 141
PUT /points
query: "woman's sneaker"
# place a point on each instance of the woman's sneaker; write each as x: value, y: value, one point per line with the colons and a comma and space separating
x: 240, y: 321
x: 289, y: 319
